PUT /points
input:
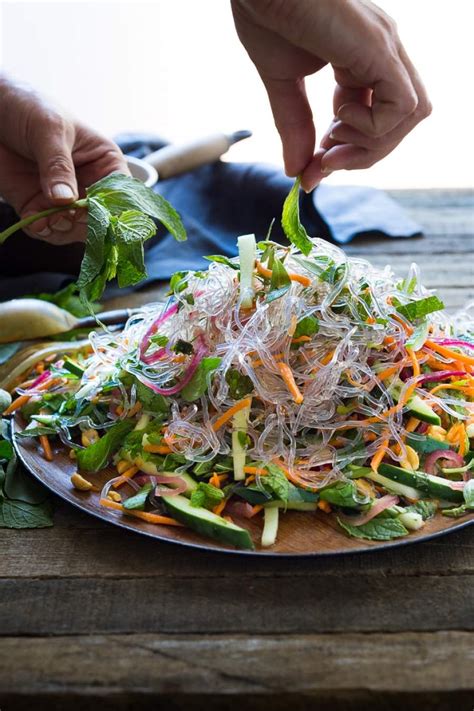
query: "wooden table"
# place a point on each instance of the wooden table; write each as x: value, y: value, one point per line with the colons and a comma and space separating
x: 91, y: 617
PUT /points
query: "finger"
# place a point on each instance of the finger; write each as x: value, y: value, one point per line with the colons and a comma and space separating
x: 294, y: 121
x: 52, y: 150
x: 350, y: 95
x: 314, y: 172
x: 393, y: 99
x: 348, y: 157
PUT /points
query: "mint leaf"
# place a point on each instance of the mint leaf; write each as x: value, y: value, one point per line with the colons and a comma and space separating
x: 20, y: 514
x: 275, y: 482
x: 95, y: 252
x: 197, y: 386
x: 426, y: 509
x: 206, y: 496
x: 344, y: 494
x: 307, y: 326
x: 137, y: 502
x: 291, y: 223
x: 419, y: 308
x: 119, y: 193
x: 468, y: 493
x: 97, y: 455
x: 220, y: 259
x: 68, y: 299
x: 239, y: 385
x: 131, y: 230
x: 378, y: 529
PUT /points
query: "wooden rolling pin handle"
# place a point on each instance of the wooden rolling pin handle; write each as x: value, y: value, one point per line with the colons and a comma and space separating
x: 176, y: 159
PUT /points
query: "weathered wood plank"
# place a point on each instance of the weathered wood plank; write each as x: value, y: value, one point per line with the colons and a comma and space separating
x: 79, y: 544
x: 314, y: 664
x: 253, y: 604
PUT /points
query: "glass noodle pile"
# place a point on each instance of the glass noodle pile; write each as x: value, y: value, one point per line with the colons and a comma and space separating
x: 284, y: 379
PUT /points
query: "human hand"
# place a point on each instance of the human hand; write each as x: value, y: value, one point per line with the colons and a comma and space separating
x: 48, y: 159
x: 379, y: 96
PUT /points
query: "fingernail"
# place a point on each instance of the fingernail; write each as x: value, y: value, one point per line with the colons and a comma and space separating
x: 331, y: 135
x: 326, y: 171
x: 44, y: 233
x: 62, y: 225
x: 61, y: 191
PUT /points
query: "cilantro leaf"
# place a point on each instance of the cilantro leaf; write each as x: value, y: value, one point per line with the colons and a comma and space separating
x: 291, y: 223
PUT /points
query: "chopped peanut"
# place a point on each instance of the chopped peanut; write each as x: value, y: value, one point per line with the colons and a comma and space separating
x: 80, y: 483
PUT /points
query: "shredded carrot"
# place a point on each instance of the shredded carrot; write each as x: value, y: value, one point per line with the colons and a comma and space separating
x: 325, y: 359
x: 122, y: 466
x: 144, y: 515
x: 44, y: 441
x: 39, y: 368
x: 293, y: 476
x: 255, y: 470
x: 301, y: 339
x: 246, y: 402
x: 220, y: 507
x: 414, y: 362
x: 267, y: 273
x: 324, y: 506
x: 379, y: 454
x: 133, y: 410
x: 293, y: 325
x: 17, y: 404
x: 406, y: 327
x: 389, y: 340
x: 287, y: 376
x: 119, y: 410
x: 249, y: 479
x: 369, y: 436
x: 371, y: 320
x: 448, y: 353
x: 412, y: 424
x: 384, y: 374
x: 157, y: 448
x: 125, y: 476
x: 257, y: 363
x: 354, y: 383
x: 467, y: 389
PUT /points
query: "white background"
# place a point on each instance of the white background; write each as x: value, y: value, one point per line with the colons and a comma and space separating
x: 177, y: 68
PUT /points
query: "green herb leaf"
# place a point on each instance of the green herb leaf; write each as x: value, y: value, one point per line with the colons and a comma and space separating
x: 220, y: 259
x: 468, y: 493
x: 239, y: 384
x: 206, y: 496
x: 95, y: 252
x: 183, y: 347
x: 291, y: 223
x: 307, y: 326
x: 197, y: 386
x: 69, y: 299
x: 97, y: 455
x: 131, y: 230
x: 137, y: 502
x: 377, y: 529
x: 419, y: 336
x: 119, y: 193
x: 344, y: 494
x: 19, y: 514
x: 275, y: 482
x: 419, y: 308
x: 159, y: 340
x: 426, y: 509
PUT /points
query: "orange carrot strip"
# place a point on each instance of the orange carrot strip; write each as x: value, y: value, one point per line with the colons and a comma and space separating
x: 379, y: 454
x: 257, y: 363
x: 452, y: 386
x: 220, y: 507
x: 144, y: 515
x: 215, y: 481
x: 414, y: 362
x: 256, y: 509
x: 246, y: 402
x: 304, y: 280
x: 17, y: 404
x: 157, y: 448
x: 133, y: 410
x: 255, y: 470
x: 406, y: 327
x: 412, y: 424
x: 324, y: 506
x: 325, y: 359
x: 448, y: 353
x: 301, y: 339
x: 384, y: 374
x: 287, y: 376
x: 127, y: 474
x: 44, y: 441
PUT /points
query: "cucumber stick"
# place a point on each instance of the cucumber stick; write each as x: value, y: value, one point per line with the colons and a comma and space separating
x: 247, y: 255
x: 239, y: 430
x: 207, y: 523
x: 270, y: 526
x: 429, y: 485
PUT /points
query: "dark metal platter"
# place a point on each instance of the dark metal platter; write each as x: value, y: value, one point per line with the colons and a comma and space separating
x: 299, y: 534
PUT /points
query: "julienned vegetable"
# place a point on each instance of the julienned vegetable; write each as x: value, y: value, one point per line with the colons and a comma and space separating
x: 316, y: 384
x: 121, y: 211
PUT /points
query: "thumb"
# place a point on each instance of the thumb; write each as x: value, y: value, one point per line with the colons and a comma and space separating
x: 294, y: 121
x: 56, y: 167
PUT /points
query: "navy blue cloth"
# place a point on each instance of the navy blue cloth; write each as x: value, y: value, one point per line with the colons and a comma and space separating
x: 221, y: 201
x: 217, y: 202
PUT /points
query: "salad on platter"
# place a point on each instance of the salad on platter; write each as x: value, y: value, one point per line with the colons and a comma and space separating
x: 289, y: 378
